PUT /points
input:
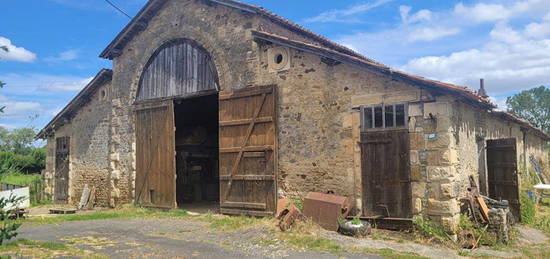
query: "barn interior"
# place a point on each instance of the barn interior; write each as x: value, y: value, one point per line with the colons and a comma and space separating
x: 197, y: 182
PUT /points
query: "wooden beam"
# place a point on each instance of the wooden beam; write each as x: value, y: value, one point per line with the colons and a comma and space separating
x: 244, y: 205
x: 246, y: 149
x: 246, y: 121
x: 259, y: 90
x: 247, y: 177
x: 247, y: 212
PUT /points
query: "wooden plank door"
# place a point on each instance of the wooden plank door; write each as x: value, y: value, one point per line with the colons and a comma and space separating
x: 248, y: 151
x: 155, y: 155
x: 62, y: 156
x: 386, y: 173
x: 502, y: 173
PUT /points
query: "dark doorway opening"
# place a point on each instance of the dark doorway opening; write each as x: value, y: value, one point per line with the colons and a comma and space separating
x: 502, y: 173
x: 197, y: 173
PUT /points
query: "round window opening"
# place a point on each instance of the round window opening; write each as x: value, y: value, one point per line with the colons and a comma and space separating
x: 279, y: 58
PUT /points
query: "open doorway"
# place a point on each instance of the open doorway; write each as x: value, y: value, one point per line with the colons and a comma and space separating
x: 197, y: 182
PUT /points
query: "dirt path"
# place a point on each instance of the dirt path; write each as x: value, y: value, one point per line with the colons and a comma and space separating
x: 165, y: 238
x: 191, y: 238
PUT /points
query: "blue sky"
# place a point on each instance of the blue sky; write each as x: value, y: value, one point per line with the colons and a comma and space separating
x: 54, y: 44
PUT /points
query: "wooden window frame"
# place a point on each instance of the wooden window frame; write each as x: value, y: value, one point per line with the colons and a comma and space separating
x: 373, y: 127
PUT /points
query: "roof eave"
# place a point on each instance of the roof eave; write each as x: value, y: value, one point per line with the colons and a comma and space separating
x: 103, y: 76
x: 376, y: 68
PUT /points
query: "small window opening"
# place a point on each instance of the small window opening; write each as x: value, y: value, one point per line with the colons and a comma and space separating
x: 383, y: 116
x: 103, y: 94
x: 278, y: 58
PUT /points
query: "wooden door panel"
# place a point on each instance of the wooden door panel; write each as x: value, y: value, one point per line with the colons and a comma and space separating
x: 248, y: 151
x: 386, y: 173
x: 155, y: 155
x: 502, y: 172
x: 62, y: 156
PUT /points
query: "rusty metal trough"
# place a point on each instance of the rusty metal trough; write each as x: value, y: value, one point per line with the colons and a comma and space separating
x: 326, y: 209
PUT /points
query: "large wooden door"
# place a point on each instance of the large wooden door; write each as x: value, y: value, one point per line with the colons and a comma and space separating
x: 248, y: 151
x: 155, y: 155
x: 62, y: 156
x: 386, y: 173
x: 502, y: 172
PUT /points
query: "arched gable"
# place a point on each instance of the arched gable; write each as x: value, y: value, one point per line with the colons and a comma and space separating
x: 178, y: 68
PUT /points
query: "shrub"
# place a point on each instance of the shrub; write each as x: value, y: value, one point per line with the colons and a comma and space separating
x: 8, y: 227
x: 33, y: 162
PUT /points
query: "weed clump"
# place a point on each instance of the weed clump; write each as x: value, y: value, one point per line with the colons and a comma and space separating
x: 430, y: 229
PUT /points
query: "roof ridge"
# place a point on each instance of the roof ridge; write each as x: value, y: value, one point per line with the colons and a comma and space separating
x: 299, y: 27
x: 140, y: 20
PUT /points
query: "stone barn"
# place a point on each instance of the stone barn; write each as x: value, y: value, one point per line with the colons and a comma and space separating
x: 221, y: 102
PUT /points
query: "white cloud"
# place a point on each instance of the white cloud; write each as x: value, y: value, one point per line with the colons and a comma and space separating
x: 26, y: 84
x: 430, y: 34
x: 492, y: 12
x: 18, y: 109
x: 15, y: 53
x: 346, y: 15
x: 482, y: 12
x: 510, y: 61
x: 68, y: 55
x: 422, y: 15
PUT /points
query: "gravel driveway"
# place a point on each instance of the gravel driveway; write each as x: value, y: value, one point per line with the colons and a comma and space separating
x: 166, y: 238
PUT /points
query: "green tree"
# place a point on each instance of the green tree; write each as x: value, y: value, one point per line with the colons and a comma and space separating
x: 20, y: 141
x: 532, y: 105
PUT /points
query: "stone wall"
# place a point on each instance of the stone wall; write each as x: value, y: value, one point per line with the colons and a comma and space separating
x: 89, y: 141
x: 473, y: 127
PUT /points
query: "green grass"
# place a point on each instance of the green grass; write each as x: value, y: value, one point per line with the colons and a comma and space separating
x: 388, y: 253
x: 225, y: 223
x: 25, y: 248
x: 430, y: 229
x: 309, y: 242
x: 123, y: 212
x: 19, y: 179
